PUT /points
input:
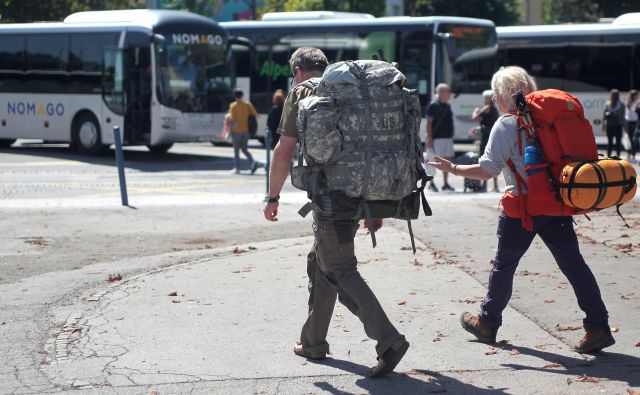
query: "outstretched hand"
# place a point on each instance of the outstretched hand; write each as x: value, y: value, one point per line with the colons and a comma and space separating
x: 377, y: 224
x: 441, y: 163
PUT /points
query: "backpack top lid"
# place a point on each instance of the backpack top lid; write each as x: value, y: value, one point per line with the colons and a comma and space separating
x: 547, y: 105
x: 372, y: 72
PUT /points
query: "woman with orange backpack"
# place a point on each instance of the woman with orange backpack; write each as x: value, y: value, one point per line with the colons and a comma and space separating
x: 505, y: 154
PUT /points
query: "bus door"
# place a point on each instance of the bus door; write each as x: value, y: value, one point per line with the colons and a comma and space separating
x: 113, y: 98
x: 137, y: 88
x: 415, y: 63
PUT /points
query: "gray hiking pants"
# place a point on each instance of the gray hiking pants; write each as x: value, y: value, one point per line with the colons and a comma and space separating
x: 240, y: 141
x: 333, y: 272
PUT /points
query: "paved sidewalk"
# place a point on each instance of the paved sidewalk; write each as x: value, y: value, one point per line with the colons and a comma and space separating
x: 224, y: 321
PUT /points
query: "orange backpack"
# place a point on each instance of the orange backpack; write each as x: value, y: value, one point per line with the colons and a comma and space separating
x: 553, y: 121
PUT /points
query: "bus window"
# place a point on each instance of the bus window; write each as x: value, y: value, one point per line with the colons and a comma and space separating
x: 468, y: 57
x: 12, y: 62
x: 85, y: 60
x: 112, y: 80
x: 47, y: 59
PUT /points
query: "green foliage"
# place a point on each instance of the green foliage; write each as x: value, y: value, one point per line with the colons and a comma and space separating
x: 586, y: 10
x: 501, y: 12
x: 203, y: 7
x: 24, y: 11
x: 375, y: 7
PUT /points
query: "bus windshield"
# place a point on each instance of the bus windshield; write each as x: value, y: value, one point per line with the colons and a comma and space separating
x: 468, y: 57
x: 195, y: 77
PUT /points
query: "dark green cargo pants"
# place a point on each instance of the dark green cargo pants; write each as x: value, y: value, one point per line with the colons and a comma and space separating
x: 333, y: 272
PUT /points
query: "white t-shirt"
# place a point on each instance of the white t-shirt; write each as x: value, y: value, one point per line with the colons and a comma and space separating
x: 630, y: 114
x: 502, y: 146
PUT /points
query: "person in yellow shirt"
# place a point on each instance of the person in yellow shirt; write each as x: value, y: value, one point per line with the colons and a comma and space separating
x: 239, y: 111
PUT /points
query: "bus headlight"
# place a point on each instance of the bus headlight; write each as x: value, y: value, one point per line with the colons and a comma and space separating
x: 169, y: 123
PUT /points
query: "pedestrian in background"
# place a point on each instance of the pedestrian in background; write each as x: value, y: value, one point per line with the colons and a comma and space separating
x: 631, y: 116
x: 487, y: 115
x: 613, y: 122
x: 440, y: 131
x: 331, y: 265
x: 513, y: 240
x: 239, y: 112
x: 273, y: 119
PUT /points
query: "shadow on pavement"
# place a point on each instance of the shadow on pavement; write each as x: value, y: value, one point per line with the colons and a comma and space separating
x: 606, y: 365
x: 419, y: 381
x: 139, y: 160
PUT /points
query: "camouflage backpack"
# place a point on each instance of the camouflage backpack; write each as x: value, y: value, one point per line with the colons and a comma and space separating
x: 359, y: 154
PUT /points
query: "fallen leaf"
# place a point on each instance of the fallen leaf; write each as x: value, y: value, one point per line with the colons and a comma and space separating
x: 174, y: 293
x: 503, y: 342
x: 637, y: 344
x: 615, y: 329
x: 114, y: 277
x: 632, y: 392
x: 552, y: 365
x: 526, y: 273
x: 175, y: 301
x: 514, y: 352
x: 568, y: 328
x: 569, y: 381
x: 238, y: 250
x: 252, y: 248
x: 412, y: 293
x: 491, y: 351
x: 405, y: 248
x: 587, y: 379
x: 72, y: 330
x: 402, y: 302
x: 550, y: 301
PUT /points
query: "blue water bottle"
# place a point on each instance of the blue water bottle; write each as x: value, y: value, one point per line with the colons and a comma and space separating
x: 532, y: 157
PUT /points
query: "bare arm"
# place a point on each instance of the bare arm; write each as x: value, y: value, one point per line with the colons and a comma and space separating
x: 278, y: 173
x: 468, y: 171
x: 429, y: 135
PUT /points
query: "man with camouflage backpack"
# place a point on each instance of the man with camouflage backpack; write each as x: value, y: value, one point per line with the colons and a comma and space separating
x: 332, y: 265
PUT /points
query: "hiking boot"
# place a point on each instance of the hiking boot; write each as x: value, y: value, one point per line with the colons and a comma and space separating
x: 594, y: 340
x: 433, y: 187
x: 476, y: 327
x: 447, y: 187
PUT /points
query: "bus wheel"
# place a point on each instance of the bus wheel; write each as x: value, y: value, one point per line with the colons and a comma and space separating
x: 86, y: 135
x: 159, y: 149
x: 5, y: 143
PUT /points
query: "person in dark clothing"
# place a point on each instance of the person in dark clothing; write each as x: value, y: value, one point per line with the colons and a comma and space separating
x: 439, y: 135
x: 273, y: 119
x: 631, y: 116
x: 487, y: 115
x: 614, y: 122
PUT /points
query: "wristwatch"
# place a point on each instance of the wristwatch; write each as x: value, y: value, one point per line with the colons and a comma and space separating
x: 269, y: 199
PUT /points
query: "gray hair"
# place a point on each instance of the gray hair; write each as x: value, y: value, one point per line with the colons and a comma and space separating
x: 308, y: 59
x: 507, y: 81
x: 488, y: 94
x: 442, y: 87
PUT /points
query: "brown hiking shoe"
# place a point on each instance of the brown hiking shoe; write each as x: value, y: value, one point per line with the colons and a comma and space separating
x: 476, y: 327
x: 594, y: 340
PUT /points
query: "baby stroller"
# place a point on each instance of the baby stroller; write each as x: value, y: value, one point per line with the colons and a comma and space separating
x: 469, y: 158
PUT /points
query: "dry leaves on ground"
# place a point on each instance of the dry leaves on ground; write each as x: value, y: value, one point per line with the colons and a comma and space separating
x: 568, y: 328
x: 491, y: 351
x: 238, y: 250
x: 637, y: 344
x: 615, y: 329
x: 587, y: 379
x: 549, y: 301
x: 632, y: 392
x: 514, y: 352
x: 626, y: 297
x: 402, y: 302
x: 526, y: 273
x: 175, y: 301
x: 174, y: 293
x: 552, y: 365
x: 114, y: 277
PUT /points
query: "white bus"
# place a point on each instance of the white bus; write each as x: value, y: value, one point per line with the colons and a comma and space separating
x: 430, y: 50
x: 587, y: 60
x: 161, y: 76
